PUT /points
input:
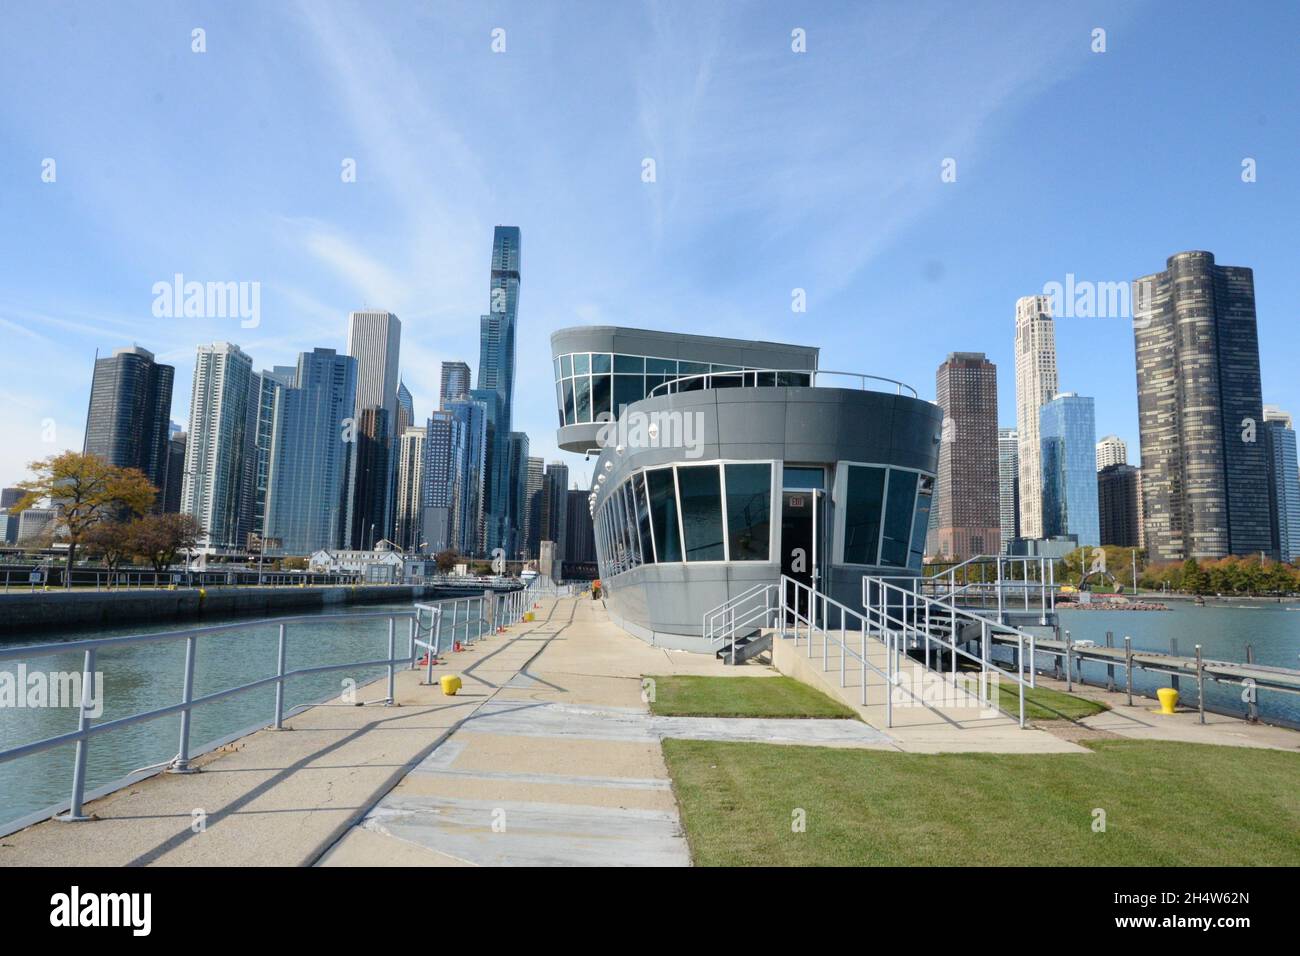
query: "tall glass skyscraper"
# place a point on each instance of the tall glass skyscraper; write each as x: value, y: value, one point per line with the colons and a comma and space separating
x: 312, y: 445
x: 1200, y: 407
x: 216, y: 450
x: 1283, y: 483
x: 466, y: 476
x: 410, y: 488
x: 130, y: 411
x: 455, y: 382
x: 1068, y: 432
x: 496, y: 371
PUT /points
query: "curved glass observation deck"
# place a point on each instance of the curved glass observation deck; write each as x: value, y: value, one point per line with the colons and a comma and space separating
x: 713, y: 481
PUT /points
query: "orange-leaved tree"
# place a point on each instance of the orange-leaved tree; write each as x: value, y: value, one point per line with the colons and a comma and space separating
x: 84, y: 491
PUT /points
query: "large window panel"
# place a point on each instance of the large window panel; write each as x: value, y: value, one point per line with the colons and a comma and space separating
x: 627, y: 389
x: 663, y: 514
x: 921, y: 523
x: 600, y: 386
x: 643, y: 518
x: 898, y: 518
x: 701, y: 502
x: 864, y: 498
x: 581, y: 364
x: 569, y: 417
x: 629, y: 363
x: 599, y: 362
x: 633, y: 527
x: 749, y: 511
x: 582, y: 398
x: 566, y: 366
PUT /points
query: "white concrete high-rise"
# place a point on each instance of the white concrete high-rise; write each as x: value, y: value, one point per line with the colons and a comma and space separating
x: 212, y: 490
x: 1036, y: 385
x: 410, y: 488
x: 1111, y: 450
x: 374, y: 340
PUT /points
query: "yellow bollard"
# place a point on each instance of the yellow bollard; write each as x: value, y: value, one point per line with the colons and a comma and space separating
x: 450, y: 684
x: 1168, y: 699
x: 528, y: 616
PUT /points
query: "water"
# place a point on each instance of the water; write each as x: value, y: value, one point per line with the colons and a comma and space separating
x: 144, y: 676
x: 1223, y: 633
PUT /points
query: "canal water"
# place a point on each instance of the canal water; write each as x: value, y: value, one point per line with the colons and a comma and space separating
x: 1223, y: 631
x: 145, y: 676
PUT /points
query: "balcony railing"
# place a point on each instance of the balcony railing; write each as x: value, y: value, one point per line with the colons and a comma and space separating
x: 778, y: 378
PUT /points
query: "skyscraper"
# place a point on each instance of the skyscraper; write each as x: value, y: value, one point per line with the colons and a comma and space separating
x: 1111, y: 450
x: 215, y: 447
x: 130, y: 411
x: 1283, y: 483
x: 533, y: 505
x: 375, y: 340
x: 468, y: 467
x: 171, y: 496
x: 455, y: 382
x: 1068, y: 434
x: 263, y: 388
x: 967, y: 518
x: 1036, y: 383
x: 308, y: 489
x: 555, y: 507
x: 438, y: 490
x: 496, y: 371
x: 405, y: 410
x: 372, y: 489
x: 1117, y: 505
x: 410, y: 487
x: 1204, y: 465
x: 1008, y: 486
x: 580, y: 532
x: 517, y: 482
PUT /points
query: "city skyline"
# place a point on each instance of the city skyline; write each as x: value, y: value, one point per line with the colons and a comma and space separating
x: 967, y: 249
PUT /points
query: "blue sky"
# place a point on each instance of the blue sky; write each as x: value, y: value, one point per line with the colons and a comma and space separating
x: 775, y: 171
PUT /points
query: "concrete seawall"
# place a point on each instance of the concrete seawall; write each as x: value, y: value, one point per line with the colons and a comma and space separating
x: 22, y: 612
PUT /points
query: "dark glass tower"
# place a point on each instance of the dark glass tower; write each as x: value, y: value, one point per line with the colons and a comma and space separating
x: 496, y: 371
x: 130, y: 411
x: 1200, y: 411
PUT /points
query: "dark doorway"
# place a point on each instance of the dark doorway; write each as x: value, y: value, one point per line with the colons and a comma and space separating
x: 799, y: 544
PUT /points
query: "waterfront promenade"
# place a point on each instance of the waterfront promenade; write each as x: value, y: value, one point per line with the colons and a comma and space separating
x: 547, y: 756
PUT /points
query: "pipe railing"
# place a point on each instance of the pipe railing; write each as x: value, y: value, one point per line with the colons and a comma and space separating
x: 505, y: 610
x: 915, y: 623
x: 769, y: 377
x: 808, y: 599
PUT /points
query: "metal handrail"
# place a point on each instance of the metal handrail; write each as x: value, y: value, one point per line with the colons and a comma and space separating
x: 728, y: 606
x: 880, y: 609
x: 749, y: 378
x: 864, y: 631
x: 507, y: 609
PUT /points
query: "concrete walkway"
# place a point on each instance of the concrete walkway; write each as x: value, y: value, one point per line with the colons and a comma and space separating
x: 563, y: 766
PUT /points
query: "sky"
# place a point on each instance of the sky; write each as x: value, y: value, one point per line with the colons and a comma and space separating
x: 775, y: 170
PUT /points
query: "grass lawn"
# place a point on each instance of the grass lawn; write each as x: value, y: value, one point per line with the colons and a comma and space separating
x: 690, y: 696
x: 1166, y: 804
x: 1042, y: 703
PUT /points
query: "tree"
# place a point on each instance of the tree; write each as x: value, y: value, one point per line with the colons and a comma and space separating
x: 446, y: 560
x: 110, y: 540
x: 1194, y: 579
x: 84, y: 490
x: 159, y: 538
